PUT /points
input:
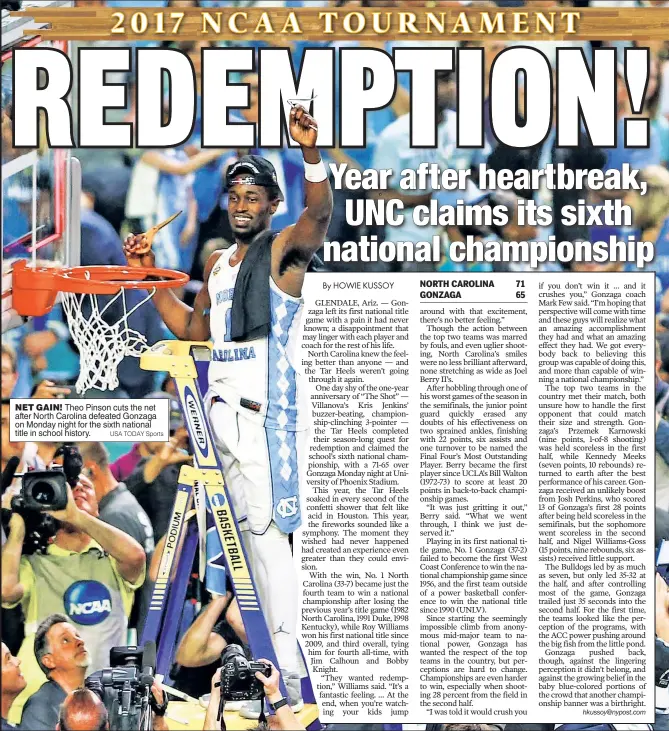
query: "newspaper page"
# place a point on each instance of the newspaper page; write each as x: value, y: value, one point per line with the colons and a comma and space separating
x: 335, y: 365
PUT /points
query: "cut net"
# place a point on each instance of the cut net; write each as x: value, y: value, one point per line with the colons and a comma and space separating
x: 102, y: 345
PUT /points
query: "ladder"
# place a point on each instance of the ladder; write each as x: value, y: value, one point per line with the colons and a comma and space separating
x: 203, y: 484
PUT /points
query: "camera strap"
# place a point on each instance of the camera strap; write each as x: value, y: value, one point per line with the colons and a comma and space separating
x: 221, y: 705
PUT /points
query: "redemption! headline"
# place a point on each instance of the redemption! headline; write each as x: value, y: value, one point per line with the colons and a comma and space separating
x: 526, y: 98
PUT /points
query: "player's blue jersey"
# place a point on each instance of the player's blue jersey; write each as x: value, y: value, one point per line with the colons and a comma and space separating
x: 260, y: 378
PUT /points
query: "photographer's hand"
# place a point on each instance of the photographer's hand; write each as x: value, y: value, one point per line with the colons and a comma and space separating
x: 70, y: 513
x: 129, y: 555
x: 12, y: 491
x: 171, y: 453
x: 284, y: 715
x: 12, y: 589
x: 216, y: 683
x: 159, y: 722
x: 271, y: 684
x: 211, y: 722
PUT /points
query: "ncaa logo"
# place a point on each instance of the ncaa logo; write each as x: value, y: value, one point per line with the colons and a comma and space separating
x: 196, y: 421
x: 87, y: 602
x: 287, y: 507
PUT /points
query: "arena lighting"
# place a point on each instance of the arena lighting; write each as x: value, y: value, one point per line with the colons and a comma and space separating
x: 367, y: 79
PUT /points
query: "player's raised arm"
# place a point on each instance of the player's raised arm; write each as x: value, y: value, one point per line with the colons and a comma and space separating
x: 186, y: 323
x: 301, y: 241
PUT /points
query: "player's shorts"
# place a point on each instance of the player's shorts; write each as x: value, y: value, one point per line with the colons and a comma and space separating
x: 261, y: 468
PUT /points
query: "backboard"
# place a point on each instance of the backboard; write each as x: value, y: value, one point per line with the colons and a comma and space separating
x: 35, y: 183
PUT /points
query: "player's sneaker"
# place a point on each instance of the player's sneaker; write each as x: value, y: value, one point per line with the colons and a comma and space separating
x: 229, y: 705
x: 294, y: 687
x: 251, y: 710
x: 234, y: 705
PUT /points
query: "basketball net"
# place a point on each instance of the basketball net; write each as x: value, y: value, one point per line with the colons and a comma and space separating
x: 102, y: 345
x: 102, y: 338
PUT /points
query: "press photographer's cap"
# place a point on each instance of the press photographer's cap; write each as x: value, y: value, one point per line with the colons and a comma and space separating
x: 252, y: 170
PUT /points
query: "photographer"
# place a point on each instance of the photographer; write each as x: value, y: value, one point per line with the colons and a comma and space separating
x: 89, y: 573
x: 83, y: 710
x: 198, y: 654
x: 284, y: 716
x: 12, y: 684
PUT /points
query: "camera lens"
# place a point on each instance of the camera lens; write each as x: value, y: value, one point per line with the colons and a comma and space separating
x: 43, y: 492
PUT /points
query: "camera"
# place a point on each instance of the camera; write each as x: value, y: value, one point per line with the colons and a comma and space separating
x: 238, y: 680
x: 47, y: 489
x: 41, y: 490
x: 44, y: 490
x: 125, y: 687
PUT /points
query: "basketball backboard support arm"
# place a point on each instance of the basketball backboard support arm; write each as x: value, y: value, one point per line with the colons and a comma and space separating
x: 73, y: 213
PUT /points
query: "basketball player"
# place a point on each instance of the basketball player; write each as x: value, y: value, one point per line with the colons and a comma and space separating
x: 251, y: 307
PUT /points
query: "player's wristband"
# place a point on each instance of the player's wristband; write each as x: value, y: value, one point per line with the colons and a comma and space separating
x: 315, y: 172
x: 279, y: 704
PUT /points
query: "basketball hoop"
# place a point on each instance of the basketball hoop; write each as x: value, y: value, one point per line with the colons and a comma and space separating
x: 102, y: 345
